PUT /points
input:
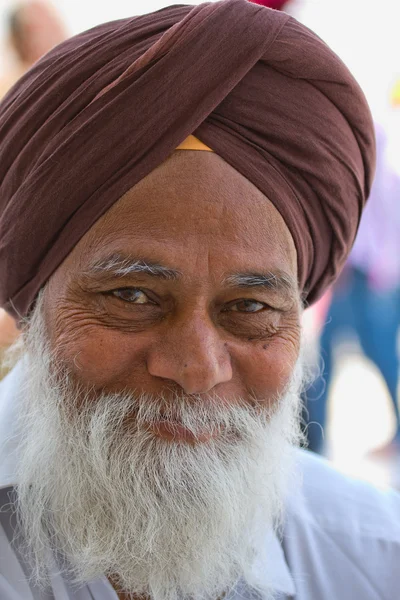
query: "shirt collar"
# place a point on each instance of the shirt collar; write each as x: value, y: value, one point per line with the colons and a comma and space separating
x: 270, y: 564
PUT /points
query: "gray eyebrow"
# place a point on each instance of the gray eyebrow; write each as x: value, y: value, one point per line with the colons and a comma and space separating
x: 118, y: 265
x: 121, y: 266
x: 279, y: 282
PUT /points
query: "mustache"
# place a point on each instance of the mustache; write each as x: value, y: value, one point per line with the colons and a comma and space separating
x: 169, y: 404
x: 129, y: 412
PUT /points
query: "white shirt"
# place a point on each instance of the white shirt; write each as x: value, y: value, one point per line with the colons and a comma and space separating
x: 341, y: 539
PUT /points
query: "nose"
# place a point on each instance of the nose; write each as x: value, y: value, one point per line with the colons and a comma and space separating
x: 191, y: 354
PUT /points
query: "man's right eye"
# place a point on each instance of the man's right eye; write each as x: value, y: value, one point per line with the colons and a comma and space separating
x: 132, y: 296
x: 248, y: 306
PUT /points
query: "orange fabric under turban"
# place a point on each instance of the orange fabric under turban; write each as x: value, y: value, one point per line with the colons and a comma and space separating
x: 104, y: 108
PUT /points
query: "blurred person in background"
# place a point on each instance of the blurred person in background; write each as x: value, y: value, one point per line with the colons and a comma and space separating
x: 33, y: 29
x: 365, y: 301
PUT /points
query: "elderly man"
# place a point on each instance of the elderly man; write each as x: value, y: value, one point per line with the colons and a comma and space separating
x: 174, y: 188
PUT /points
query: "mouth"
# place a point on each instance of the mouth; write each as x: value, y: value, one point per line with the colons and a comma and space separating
x: 175, y: 432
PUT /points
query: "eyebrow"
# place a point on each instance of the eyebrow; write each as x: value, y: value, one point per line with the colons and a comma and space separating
x: 117, y: 265
x: 279, y: 281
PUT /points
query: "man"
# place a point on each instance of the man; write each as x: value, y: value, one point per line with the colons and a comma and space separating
x: 174, y: 187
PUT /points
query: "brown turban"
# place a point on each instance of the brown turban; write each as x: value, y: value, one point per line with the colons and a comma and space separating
x: 103, y: 109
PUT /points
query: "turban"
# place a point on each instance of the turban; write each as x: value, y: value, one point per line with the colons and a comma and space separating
x: 104, y: 108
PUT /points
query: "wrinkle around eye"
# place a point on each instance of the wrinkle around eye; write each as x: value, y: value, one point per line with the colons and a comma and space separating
x: 118, y: 313
x: 256, y: 325
x: 235, y: 307
x: 118, y: 293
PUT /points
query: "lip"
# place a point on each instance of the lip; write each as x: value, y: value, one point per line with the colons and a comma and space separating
x: 175, y: 432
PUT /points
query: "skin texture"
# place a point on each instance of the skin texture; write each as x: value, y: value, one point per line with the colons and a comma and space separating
x: 196, y: 333
x: 197, y: 215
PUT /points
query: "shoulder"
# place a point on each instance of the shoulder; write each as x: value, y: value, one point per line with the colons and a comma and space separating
x: 342, y: 534
x: 338, y: 502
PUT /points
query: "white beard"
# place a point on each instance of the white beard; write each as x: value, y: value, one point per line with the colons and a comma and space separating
x: 164, y: 519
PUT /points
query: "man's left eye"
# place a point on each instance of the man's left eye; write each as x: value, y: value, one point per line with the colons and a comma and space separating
x: 132, y: 295
x: 248, y: 306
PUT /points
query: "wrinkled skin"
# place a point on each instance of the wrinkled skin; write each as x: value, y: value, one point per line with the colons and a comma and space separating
x: 197, y: 333
x: 199, y: 216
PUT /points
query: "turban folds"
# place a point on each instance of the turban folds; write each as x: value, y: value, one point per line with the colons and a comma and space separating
x: 103, y: 109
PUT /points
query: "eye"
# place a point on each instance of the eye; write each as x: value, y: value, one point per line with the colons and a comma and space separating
x: 132, y: 295
x: 247, y: 306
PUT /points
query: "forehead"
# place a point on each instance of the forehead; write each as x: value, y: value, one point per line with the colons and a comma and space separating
x: 194, y: 207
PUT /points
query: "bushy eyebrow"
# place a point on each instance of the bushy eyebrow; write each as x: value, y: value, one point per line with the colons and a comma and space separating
x: 117, y: 265
x: 279, y: 282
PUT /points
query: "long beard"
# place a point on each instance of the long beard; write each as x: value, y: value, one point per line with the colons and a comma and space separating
x: 101, y: 495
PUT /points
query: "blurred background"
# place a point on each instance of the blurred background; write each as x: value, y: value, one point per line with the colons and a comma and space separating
x: 353, y: 345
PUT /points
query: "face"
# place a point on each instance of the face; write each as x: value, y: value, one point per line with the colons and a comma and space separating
x: 179, y: 314
x: 187, y: 284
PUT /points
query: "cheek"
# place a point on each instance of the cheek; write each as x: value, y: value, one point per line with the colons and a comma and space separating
x: 105, y: 359
x: 267, y: 370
